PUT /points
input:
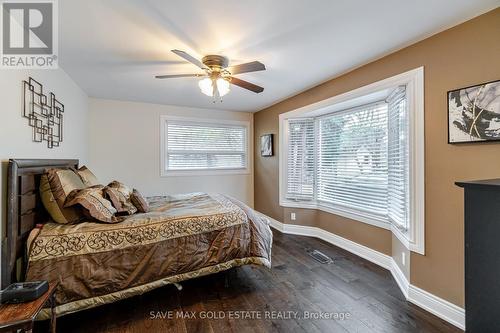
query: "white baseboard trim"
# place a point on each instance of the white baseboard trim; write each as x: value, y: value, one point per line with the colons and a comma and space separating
x: 442, y: 308
x: 348, y: 245
x: 400, y: 278
x: 362, y: 251
x: 437, y: 306
x: 274, y: 224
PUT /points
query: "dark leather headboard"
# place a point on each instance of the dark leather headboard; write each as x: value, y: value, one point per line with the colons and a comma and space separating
x: 24, y: 211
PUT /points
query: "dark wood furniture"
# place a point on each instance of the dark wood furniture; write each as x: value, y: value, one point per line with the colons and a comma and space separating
x: 482, y: 255
x: 22, y: 316
x: 24, y: 211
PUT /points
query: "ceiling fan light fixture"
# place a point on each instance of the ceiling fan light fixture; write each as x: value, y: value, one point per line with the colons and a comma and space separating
x: 206, y: 86
x: 223, y: 86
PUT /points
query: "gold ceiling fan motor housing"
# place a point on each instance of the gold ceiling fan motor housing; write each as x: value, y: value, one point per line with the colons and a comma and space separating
x: 215, y: 62
x: 217, y: 65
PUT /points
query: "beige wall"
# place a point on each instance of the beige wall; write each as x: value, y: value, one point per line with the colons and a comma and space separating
x: 125, y: 145
x: 465, y: 55
x: 16, y: 135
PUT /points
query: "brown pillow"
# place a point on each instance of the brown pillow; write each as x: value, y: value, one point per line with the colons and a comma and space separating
x: 87, y: 177
x: 122, y: 188
x: 120, y: 201
x: 96, y: 206
x: 139, y: 201
x: 55, y: 185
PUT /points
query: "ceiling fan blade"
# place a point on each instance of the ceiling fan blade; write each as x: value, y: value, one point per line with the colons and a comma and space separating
x: 178, y: 75
x: 246, y: 85
x: 190, y: 58
x: 253, y: 66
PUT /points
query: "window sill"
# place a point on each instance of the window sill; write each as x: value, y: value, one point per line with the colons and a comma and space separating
x: 191, y: 173
x: 401, y: 236
x: 417, y: 247
x: 341, y: 211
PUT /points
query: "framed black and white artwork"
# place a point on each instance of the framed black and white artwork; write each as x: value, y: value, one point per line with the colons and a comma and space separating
x: 266, y: 145
x: 474, y: 113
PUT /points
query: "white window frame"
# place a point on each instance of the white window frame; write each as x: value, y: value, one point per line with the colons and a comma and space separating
x: 164, y: 119
x: 414, y: 238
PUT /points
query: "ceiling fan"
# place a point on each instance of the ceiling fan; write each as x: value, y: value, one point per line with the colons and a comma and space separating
x: 218, y: 76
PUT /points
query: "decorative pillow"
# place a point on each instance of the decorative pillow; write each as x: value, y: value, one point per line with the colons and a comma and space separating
x: 96, y: 206
x: 139, y: 201
x: 122, y: 188
x: 87, y: 177
x: 55, y: 185
x: 120, y: 201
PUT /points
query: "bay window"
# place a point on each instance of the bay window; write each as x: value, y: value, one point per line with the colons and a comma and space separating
x: 360, y: 155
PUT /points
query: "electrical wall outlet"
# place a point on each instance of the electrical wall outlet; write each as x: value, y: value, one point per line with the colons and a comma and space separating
x: 403, y: 258
x: 293, y: 217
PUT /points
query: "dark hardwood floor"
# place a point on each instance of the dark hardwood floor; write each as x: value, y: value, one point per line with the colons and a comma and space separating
x: 365, y: 294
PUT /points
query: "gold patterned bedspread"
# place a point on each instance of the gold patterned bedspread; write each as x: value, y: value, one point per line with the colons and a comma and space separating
x: 182, y: 237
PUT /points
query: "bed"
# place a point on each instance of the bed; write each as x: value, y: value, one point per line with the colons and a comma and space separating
x: 181, y: 237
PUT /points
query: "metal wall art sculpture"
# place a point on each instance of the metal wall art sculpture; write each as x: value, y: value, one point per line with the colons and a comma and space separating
x: 45, y: 114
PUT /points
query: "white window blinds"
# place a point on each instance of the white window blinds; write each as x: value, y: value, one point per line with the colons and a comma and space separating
x: 205, y: 146
x: 398, y: 201
x: 352, y: 159
x: 300, y: 161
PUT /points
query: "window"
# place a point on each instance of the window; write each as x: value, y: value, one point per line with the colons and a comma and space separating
x: 360, y: 155
x: 191, y: 146
x: 352, y: 159
x: 300, y: 169
x: 398, y: 159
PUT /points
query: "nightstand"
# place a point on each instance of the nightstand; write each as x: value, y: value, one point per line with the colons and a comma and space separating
x: 22, y: 315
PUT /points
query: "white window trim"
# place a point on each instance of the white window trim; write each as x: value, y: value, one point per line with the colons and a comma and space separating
x: 212, y: 172
x: 414, y: 239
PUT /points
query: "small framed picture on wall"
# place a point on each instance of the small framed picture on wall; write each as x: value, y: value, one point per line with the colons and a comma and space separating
x: 266, y: 145
x: 474, y: 113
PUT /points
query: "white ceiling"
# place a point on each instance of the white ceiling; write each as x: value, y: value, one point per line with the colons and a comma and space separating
x: 113, y: 48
